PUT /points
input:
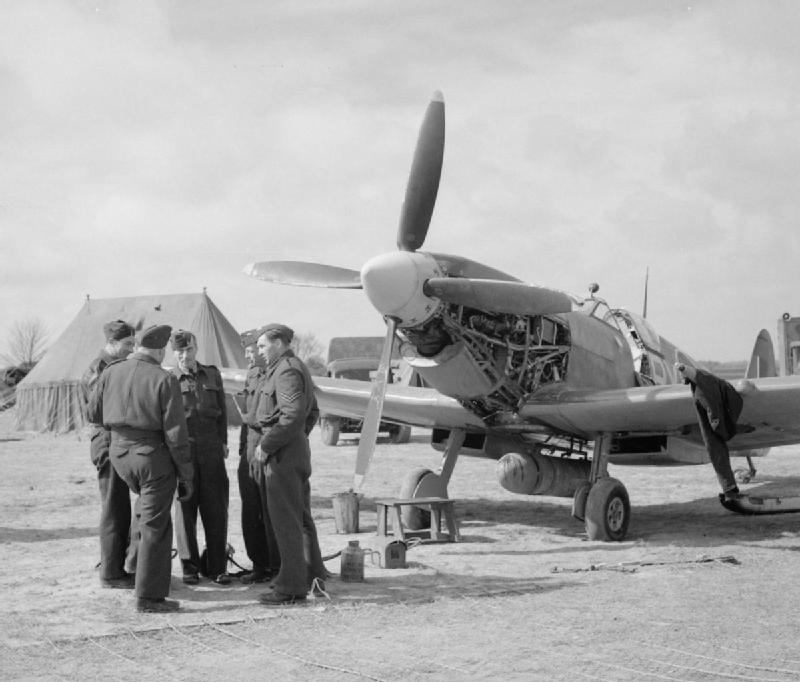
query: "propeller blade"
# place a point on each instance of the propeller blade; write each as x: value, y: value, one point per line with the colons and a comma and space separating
x: 304, y: 274
x: 423, y: 180
x: 459, y: 266
x: 372, y: 419
x: 499, y: 297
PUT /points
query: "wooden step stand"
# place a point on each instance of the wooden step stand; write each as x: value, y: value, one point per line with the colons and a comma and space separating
x: 389, y: 508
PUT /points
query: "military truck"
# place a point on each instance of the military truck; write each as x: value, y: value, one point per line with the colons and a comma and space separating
x: 357, y: 357
x: 9, y: 378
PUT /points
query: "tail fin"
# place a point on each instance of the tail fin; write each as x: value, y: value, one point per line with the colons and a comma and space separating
x: 762, y: 361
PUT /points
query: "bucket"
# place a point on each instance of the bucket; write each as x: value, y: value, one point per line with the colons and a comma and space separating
x: 345, y: 511
x: 394, y: 555
x: 352, y: 570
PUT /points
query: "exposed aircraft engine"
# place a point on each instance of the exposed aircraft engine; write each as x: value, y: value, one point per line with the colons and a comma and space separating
x: 535, y: 474
x: 489, y: 362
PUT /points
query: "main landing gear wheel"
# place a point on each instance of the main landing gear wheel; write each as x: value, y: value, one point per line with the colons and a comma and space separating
x: 579, y: 500
x: 329, y: 430
x: 608, y: 510
x: 419, y: 482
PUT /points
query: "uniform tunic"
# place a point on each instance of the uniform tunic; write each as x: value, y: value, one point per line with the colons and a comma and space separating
x: 288, y: 415
x: 254, y: 531
x: 118, y: 539
x: 141, y: 405
x: 204, y: 407
x: 718, y: 406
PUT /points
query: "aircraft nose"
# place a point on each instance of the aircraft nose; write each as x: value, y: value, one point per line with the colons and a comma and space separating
x: 393, y: 283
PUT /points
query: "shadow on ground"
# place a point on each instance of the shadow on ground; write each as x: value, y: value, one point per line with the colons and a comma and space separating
x: 703, y: 519
x: 44, y: 534
x: 415, y: 584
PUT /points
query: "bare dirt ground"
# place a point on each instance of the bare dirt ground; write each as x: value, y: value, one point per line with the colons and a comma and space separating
x: 694, y: 593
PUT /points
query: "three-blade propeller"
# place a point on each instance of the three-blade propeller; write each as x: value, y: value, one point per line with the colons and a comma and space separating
x: 466, y: 283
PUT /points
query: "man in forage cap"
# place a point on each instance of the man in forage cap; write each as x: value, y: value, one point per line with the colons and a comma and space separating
x: 117, y: 537
x: 258, y: 537
x: 285, y: 412
x: 206, y: 417
x: 140, y: 403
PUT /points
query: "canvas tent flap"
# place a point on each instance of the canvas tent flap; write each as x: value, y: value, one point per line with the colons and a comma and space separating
x: 51, y: 397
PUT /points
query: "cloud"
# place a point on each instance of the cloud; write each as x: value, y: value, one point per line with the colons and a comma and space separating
x: 151, y: 147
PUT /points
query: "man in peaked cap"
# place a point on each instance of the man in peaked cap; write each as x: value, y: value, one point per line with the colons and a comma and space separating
x: 206, y: 417
x: 140, y: 403
x: 117, y: 538
x: 258, y: 537
x: 286, y: 413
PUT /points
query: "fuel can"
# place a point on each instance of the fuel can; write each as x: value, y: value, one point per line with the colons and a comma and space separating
x: 394, y: 555
x: 352, y: 563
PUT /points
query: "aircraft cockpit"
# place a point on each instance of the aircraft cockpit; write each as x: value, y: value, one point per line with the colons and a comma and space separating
x: 652, y: 359
x: 596, y: 307
x: 645, y: 345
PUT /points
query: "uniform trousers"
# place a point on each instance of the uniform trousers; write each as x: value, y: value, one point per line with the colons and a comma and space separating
x: 267, y: 542
x: 288, y: 493
x: 118, y: 537
x: 718, y: 453
x: 254, y: 531
x: 147, y: 469
x: 210, y: 499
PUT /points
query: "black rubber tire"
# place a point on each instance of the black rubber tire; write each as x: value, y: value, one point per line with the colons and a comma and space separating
x: 414, y: 518
x: 329, y: 430
x: 400, y: 434
x: 608, y: 511
x: 579, y: 500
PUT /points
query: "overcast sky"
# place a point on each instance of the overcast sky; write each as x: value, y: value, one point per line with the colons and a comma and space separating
x: 158, y: 147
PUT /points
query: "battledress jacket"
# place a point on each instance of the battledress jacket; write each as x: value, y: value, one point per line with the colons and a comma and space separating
x: 100, y: 437
x: 287, y: 407
x: 92, y: 375
x: 204, y: 405
x: 254, y: 376
x: 719, y: 401
x: 137, y: 393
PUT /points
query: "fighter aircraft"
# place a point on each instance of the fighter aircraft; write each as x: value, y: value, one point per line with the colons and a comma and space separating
x: 552, y: 385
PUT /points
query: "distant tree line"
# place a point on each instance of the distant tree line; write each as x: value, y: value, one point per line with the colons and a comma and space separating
x: 310, y: 350
x: 26, y: 343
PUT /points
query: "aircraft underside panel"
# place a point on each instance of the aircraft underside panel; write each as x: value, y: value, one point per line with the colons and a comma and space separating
x: 657, y: 450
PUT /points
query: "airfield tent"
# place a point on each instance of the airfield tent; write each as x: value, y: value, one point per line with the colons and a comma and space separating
x: 51, y: 397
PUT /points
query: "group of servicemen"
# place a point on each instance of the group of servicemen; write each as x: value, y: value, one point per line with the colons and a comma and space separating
x: 163, y: 436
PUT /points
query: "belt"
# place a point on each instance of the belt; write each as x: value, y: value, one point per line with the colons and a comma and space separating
x: 134, y: 434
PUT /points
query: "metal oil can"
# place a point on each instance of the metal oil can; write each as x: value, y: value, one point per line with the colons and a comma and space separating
x: 394, y: 555
x: 352, y: 570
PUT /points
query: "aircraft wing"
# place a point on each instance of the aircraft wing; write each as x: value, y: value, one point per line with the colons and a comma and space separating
x: 404, y: 404
x: 770, y: 416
